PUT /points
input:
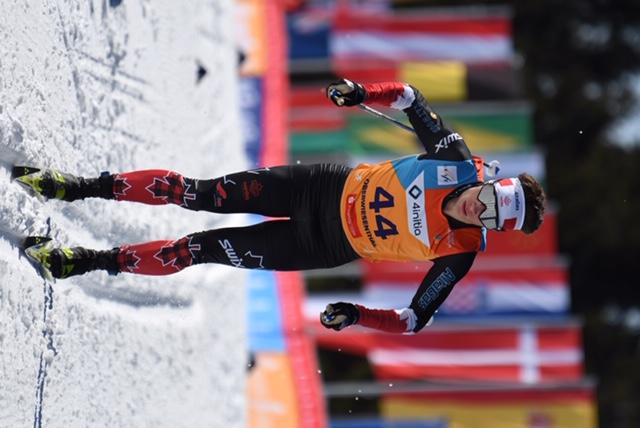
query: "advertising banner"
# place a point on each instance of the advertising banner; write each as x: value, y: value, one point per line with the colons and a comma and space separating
x: 283, y: 384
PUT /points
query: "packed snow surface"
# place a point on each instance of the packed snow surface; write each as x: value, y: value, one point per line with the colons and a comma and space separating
x: 97, y: 86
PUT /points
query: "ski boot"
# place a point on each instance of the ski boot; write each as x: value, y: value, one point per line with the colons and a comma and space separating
x: 65, y: 262
x: 52, y: 184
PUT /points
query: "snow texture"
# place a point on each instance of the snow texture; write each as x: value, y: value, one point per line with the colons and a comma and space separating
x: 113, y: 85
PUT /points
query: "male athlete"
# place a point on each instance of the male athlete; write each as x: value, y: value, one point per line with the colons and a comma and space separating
x: 431, y: 206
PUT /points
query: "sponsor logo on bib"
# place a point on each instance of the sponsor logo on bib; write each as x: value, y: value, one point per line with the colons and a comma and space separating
x: 352, y: 217
x: 416, y: 210
x: 447, y: 175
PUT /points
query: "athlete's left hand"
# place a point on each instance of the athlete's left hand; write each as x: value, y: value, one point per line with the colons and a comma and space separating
x: 339, y: 315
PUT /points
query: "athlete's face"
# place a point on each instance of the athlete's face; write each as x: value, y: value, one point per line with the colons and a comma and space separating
x: 466, y: 207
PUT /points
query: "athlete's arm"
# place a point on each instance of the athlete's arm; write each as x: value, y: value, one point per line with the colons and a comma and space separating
x: 437, y: 284
x: 434, y: 289
x: 438, y: 140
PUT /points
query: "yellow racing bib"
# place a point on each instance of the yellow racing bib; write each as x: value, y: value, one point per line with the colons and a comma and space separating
x: 393, y: 210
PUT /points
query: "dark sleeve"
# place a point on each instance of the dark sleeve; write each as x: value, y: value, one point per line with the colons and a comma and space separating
x: 438, y: 140
x: 437, y: 284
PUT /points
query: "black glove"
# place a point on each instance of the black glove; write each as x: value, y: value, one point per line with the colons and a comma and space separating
x: 339, y: 315
x: 346, y: 93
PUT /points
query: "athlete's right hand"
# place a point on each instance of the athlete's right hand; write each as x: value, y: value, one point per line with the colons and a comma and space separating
x: 346, y: 93
x: 339, y: 315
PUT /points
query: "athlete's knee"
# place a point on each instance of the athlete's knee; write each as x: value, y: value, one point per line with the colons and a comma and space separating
x: 213, y: 247
x: 225, y: 246
x: 210, y: 194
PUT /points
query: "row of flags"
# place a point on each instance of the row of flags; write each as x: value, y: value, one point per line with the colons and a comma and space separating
x: 524, y: 352
x: 504, y: 351
x: 467, y: 37
x: 347, y: 33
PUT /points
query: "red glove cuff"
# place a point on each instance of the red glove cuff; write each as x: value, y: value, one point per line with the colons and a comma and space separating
x: 381, y: 319
x: 384, y: 93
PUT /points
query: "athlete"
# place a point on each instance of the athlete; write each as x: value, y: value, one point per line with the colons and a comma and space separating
x: 431, y: 206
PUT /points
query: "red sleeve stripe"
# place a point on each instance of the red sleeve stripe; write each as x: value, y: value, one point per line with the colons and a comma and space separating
x: 381, y: 319
x: 385, y: 93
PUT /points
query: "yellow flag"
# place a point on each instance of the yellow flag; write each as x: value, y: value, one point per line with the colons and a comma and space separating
x: 516, y: 414
x: 437, y: 80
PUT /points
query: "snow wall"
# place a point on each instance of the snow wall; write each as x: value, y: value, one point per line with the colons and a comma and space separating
x: 113, y: 86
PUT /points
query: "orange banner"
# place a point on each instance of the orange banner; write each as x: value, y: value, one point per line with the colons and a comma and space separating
x: 272, y: 400
x: 251, y: 36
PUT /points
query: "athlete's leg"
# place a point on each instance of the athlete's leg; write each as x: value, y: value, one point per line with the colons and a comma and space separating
x: 307, y: 243
x: 266, y: 191
x: 282, y: 191
x: 272, y: 245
